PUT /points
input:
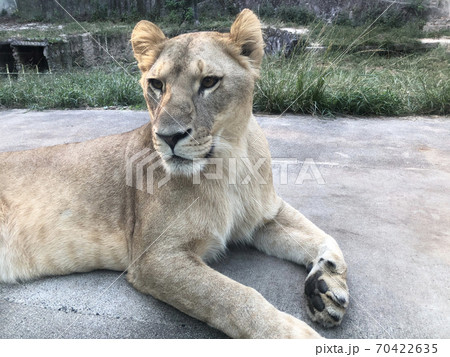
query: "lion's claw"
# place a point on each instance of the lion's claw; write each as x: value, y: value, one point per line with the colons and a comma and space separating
x: 327, y: 293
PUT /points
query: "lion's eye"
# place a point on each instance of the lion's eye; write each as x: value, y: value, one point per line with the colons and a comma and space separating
x: 209, y: 82
x: 156, y: 83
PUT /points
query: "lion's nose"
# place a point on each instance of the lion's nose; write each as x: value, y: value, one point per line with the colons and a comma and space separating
x: 172, y: 140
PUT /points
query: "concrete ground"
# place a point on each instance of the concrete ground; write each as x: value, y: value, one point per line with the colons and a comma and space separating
x: 385, y: 197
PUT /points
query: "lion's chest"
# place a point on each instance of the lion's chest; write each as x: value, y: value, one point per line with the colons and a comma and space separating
x: 232, y: 216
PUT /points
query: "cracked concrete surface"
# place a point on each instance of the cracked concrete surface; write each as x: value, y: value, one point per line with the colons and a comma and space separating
x: 385, y: 198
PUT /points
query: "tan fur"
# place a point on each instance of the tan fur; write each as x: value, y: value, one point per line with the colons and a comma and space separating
x: 67, y: 208
x: 146, y: 41
x: 246, y: 35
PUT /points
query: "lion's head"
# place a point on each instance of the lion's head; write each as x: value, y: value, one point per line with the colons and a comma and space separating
x: 198, y: 88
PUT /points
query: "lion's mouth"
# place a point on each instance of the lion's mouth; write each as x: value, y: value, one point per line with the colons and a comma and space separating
x: 180, y: 159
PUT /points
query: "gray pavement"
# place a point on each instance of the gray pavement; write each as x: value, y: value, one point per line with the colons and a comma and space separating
x: 385, y: 198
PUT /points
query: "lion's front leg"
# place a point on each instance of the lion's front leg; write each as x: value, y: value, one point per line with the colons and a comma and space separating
x: 181, y: 279
x: 293, y: 237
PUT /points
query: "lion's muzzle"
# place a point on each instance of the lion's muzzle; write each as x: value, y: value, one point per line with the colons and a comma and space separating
x: 173, y: 139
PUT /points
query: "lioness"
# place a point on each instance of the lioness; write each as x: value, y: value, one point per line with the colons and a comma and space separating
x: 68, y: 208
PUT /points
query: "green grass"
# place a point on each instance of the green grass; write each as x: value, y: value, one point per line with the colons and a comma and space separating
x: 356, y: 84
x: 93, y: 88
x: 311, y: 83
x: 379, y: 36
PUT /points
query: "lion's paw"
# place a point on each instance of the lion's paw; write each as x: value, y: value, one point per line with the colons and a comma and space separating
x: 327, y: 292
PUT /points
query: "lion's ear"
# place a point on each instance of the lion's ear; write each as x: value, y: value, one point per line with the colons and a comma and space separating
x: 247, y: 35
x: 147, y: 40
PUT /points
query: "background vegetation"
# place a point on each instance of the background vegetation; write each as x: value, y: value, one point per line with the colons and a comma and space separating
x: 353, y: 12
x: 311, y: 83
x: 377, y: 70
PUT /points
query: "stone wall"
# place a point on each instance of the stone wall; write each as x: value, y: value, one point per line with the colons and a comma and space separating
x: 87, y: 51
x: 281, y: 41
